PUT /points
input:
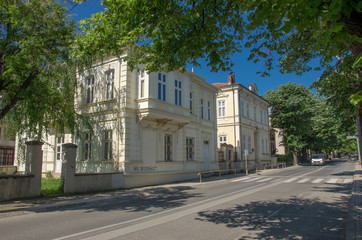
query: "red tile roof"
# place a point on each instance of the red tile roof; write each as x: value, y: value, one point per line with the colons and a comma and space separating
x: 220, y: 84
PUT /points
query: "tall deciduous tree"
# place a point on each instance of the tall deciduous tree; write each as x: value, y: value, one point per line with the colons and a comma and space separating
x: 287, y: 34
x: 37, y: 80
x: 292, y: 110
x: 173, y: 33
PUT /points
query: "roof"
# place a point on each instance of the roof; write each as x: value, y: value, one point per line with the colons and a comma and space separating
x: 220, y: 84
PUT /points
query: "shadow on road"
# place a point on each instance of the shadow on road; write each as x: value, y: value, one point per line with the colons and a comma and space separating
x: 296, y: 218
x: 134, y: 200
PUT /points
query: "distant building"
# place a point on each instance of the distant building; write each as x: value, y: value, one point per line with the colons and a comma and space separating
x: 243, y: 122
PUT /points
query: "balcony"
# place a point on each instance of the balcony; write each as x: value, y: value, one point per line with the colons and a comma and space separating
x: 162, y: 112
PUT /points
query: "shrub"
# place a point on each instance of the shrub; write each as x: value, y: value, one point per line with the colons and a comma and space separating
x: 288, y: 157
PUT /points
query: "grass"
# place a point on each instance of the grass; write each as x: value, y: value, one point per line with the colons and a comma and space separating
x: 50, y: 186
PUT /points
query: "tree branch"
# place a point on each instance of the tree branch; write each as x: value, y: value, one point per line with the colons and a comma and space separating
x: 16, y: 98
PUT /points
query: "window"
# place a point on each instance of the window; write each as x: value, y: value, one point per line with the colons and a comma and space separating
x: 222, y: 139
x: 249, y: 144
x: 191, y: 102
x: 221, y: 108
x: 6, y: 156
x: 161, y: 87
x: 107, y: 145
x: 242, y: 108
x: 202, y: 108
x: 262, y: 146
x: 247, y: 111
x: 59, y: 148
x: 208, y: 111
x: 178, y: 93
x: 142, y: 83
x: 90, y: 89
x: 244, y: 143
x: 261, y: 116
x: 265, y: 119
x: 110, y: 84
x: 255, y: 114
x: 87, y: 146
x: 168, y: 148
x: 189, y: 149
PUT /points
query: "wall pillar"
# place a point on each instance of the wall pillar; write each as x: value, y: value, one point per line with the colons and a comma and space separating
x: 68, y: 166
x: 34, y: 162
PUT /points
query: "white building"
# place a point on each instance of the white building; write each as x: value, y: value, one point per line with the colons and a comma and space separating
x: 155, y: 128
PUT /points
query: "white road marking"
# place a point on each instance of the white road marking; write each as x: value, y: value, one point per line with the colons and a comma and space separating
x: 240, y: 179
x: 304, y: 180
x: 264, y: 180
x: 349, y: 180
x: 291, y: 180
x: 318, y: 180
x: 253, y: 179
x: 332, y: 180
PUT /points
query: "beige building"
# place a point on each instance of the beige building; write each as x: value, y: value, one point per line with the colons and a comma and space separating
x: 280, y: 149
x: 242, y: 121
x: 152, y: 127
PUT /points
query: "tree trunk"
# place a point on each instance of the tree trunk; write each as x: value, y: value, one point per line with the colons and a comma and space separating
x: 295, y: 157
x: 359, y: 121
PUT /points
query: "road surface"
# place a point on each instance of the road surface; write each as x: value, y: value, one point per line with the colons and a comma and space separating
x: 304, y: 202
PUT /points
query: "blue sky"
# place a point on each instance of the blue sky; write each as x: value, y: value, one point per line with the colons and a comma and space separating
x: 244, y: 71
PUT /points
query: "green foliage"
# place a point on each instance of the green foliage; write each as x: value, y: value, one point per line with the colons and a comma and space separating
x: 166, y: 35
x: 347, y: 146
x: 326, y: 128
x: 37, y: 78
x: 292, y: 109
x: 50, y: 186
x: 288, y: 157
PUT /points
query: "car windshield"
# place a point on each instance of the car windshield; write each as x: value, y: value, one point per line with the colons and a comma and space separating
x: 317, y: 155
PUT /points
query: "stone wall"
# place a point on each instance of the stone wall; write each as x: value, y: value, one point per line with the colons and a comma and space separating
x: 28, y: 184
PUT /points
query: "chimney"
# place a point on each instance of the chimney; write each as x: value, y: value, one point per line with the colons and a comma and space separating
x: 252, y: 87
x: 231, y: 78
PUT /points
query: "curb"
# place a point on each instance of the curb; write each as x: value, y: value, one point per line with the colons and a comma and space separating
x: 354, y: 221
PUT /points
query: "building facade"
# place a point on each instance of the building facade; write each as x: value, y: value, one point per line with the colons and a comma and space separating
x: 242, y: 121
x: 153, y: 127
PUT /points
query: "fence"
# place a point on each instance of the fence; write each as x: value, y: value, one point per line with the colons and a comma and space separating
x: 265, y: 167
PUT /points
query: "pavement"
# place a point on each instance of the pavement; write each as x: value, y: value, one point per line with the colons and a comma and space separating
x: 44, y: 204
x: 354, y: 221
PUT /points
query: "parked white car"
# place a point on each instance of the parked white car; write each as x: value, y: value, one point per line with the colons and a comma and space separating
x: 319, y: 159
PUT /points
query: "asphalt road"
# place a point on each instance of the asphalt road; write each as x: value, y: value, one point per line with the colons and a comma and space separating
x: 304, y: 202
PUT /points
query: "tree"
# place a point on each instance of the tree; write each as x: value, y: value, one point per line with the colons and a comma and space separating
x: 335, y: 87
x: 326, y: 136
x: 168, y: 34
x: 292, y: 110
x: 290, y: 34
x: 37, y: 79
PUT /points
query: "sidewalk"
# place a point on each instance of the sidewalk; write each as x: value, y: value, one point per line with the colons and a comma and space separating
x: 354, y: 221
x: 44, y: 204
